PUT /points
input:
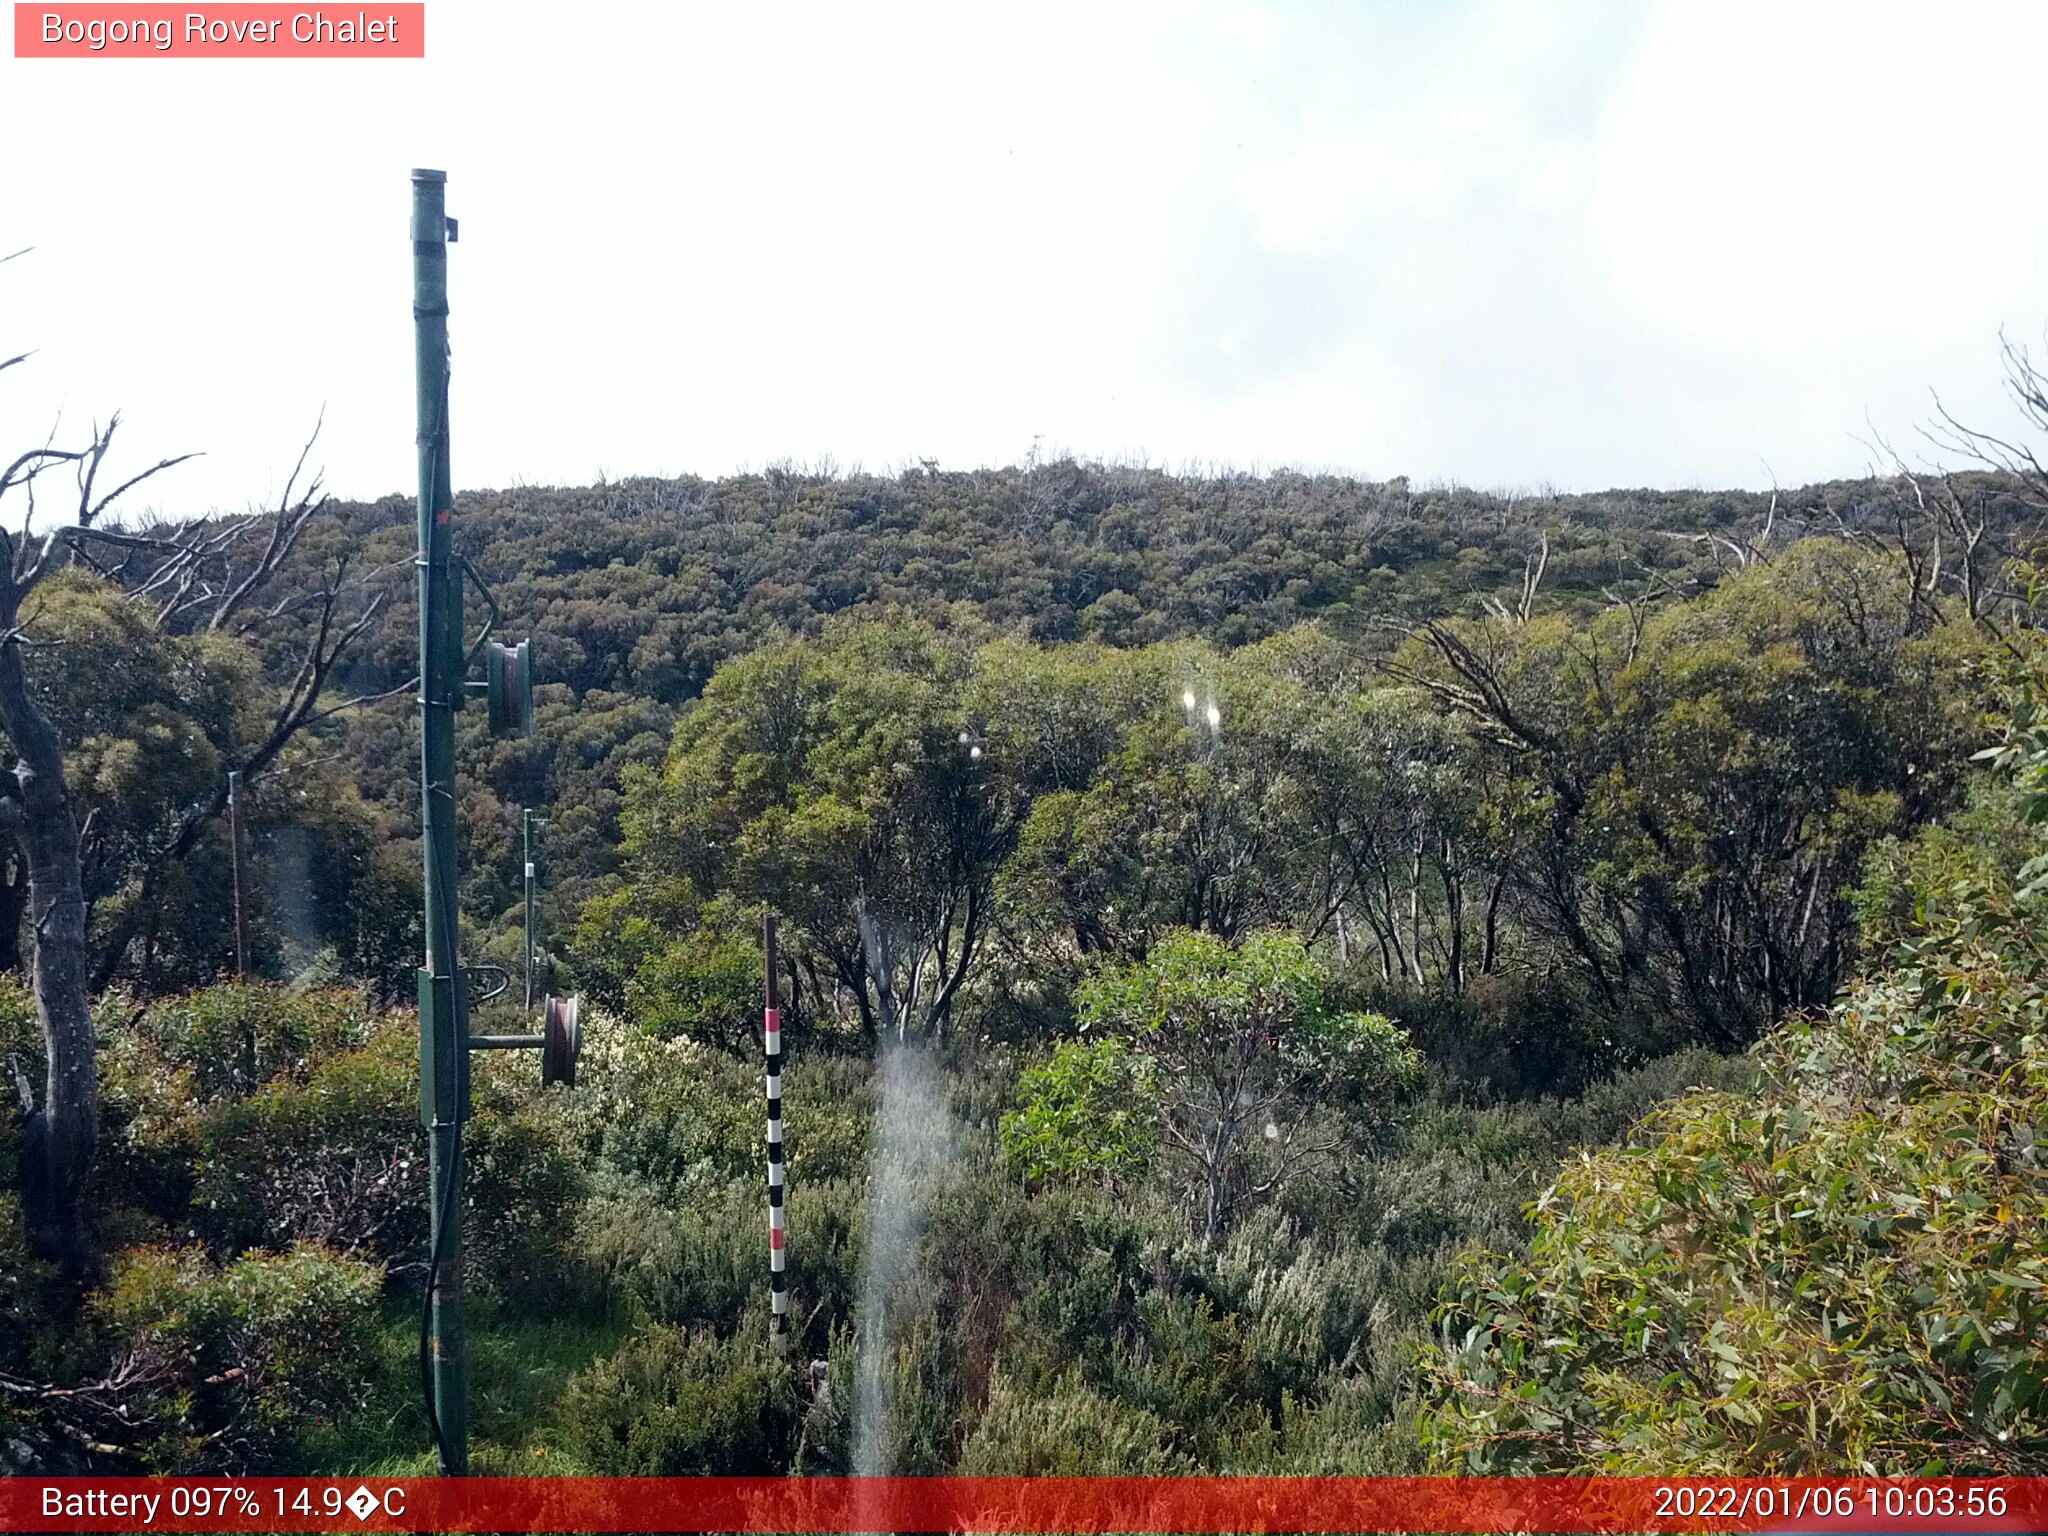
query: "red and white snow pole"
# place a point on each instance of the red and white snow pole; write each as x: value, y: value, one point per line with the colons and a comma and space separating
x: 778, y: 1227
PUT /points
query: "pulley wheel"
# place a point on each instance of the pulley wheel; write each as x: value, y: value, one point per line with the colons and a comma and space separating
x: 561, y: 1040
x: 509, y: 685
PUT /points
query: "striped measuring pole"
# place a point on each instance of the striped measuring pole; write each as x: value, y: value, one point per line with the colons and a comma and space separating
x: 778, y: 1225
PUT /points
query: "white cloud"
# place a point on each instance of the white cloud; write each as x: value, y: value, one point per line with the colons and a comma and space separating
x: 1776, y: 176
x: 1491, y: 241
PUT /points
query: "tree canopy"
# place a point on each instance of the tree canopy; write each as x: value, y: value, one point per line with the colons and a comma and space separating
x: 1837, y: 1270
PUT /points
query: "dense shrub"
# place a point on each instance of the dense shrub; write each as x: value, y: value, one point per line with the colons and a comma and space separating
x: 1261, y: 1078
x: 24, y: 1314
x: 221, y: 1368
x: 675, y: 1403
x: 1510, y: 1037
x: 670, y: 1112
x: 324, y: 1144
x: 523, y: 1187
x: 21, y: 1059
x: 1084, y: 1113
x: 1359, y: 1425
x: 335, y: 1157
x: 700, y: 1262
x: 1069, y: 1431
x: 234, y: 1038
x: 1838, y: 1270
x: 704, y: 984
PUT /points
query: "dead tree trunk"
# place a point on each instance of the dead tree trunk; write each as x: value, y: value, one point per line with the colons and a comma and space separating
x: 197, y: 568
x: 62, y: 1130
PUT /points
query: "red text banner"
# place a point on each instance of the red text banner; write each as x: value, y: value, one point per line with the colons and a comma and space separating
x: 229, y: 31
x: 1024, y: 1504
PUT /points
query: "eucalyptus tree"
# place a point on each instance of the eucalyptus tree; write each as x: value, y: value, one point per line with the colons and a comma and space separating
x: 1252, y: 1056
x: 1191, y: 819
x: 207, y: 576
x: 1698, y: 784
x: 846, y: 781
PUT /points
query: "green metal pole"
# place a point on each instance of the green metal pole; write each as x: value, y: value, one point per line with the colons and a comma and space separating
x: 444, y: 1032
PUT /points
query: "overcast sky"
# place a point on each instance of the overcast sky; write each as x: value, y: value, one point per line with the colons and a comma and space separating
x: 1569, y: 244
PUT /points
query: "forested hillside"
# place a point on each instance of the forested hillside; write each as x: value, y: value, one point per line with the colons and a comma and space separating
x: 635, y: 592
x: 1211, y: 910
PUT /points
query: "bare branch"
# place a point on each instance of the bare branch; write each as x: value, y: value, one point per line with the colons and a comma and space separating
x: 410, y: 685
x: 119, y: 539
x: 33, y: 463
x: 22, y: 570
x: 129, y: 484
x: 1481, y: 692
x: 287, y: 523
x: 1532, y: 578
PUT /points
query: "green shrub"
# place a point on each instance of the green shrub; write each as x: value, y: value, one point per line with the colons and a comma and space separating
x: 1358, y: 1425
x: 1513, y: 1037
x: 339, y: 1158
x: 21, y: 1051
x: 671, y: 1403
x: 234, y: 1038
x: 1305, y: 1305
x: 524, y: 1186
x: 335, y: 1157
x: 694, y: 1263
x: 24, y: 1315
x: 1837, y: 1270
x: 1254, y: 1058
x: 704, y: 1261
x: 224, y: 1368
x: 1193, y: 1367
x: 21, y: 1036
x: 1069, y: 1431
x: 1077, y: 1261
x: 1085, y: 1113
x: 664, y: 1111
x: 704, y: 985
x: 917, y: 1412
x: 675, y: 1113
x: 171, y: 1076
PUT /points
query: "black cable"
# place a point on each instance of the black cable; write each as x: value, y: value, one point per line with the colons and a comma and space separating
x: 441, y: 1225
x: 444, y: 1217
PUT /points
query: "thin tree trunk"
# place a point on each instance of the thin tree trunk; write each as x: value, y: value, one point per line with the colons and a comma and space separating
x: 1415, y: 910
x: 60, y: 1133
x: 1393, y: 929
x: 1454, y: 908
x: 1491, y: 957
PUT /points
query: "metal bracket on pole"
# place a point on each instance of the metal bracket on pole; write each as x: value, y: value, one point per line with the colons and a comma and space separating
x: 490, y: 621
x: 560, y: 1041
